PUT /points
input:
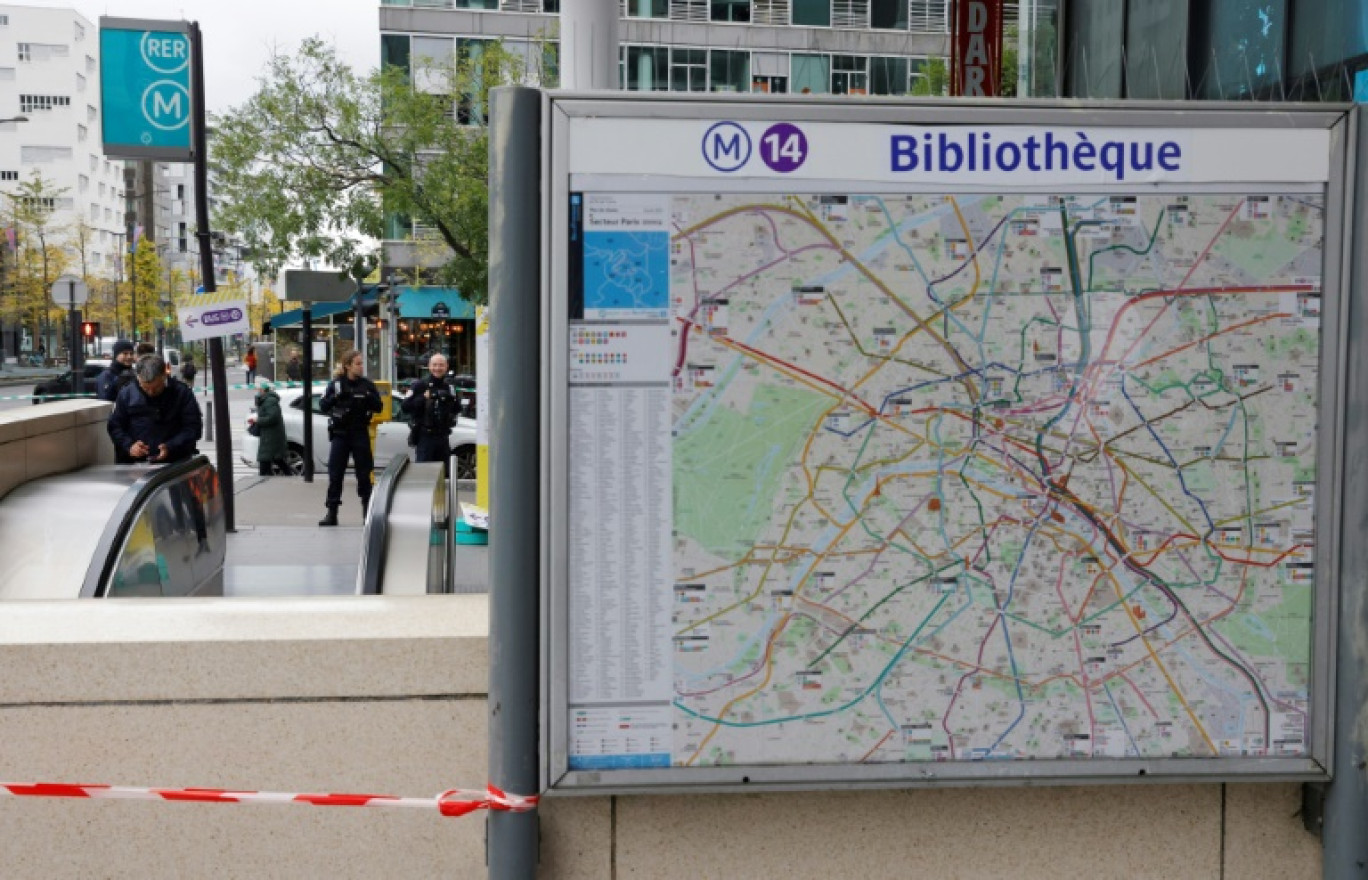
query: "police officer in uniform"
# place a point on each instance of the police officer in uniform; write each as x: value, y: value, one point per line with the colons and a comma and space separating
x: 432, y: 406
x: 349, y: 401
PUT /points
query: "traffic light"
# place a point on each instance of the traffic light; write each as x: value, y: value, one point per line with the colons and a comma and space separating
x: 90, y: 329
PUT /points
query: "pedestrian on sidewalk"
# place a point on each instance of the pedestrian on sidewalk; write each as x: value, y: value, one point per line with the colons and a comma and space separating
x: 271, y: 445
x: 349, y: 401
x: 251, y: 363
x: 119, y: 373
x: 188, y: 371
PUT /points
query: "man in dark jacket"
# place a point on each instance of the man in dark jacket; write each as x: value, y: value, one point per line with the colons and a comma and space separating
x: 119, y: 372
x: 154, y: 420
x: 432, y: 407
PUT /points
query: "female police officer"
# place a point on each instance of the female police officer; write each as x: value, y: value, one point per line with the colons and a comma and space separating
x: 350, y: 401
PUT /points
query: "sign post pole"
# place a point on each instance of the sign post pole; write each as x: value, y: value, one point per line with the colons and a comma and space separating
x: 218, y: 372
x: 69, y: 292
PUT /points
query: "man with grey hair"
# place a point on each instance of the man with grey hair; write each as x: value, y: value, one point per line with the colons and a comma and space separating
x: 154, y: 420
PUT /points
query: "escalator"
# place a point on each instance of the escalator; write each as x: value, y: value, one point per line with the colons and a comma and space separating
x: 113, y: 531
x: 407, y: 544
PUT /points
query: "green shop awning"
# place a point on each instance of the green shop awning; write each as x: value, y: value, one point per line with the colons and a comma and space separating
x: 431, y: 302
x: 295, y: 317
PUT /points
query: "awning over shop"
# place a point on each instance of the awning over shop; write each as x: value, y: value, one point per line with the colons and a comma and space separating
x: 434, y: 302
x: 295, y: 317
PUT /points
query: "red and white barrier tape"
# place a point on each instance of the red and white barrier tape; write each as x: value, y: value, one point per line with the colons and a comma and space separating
x: 453, y: 802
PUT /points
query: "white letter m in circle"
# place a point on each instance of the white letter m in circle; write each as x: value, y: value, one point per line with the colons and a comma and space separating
x: 163, y: 105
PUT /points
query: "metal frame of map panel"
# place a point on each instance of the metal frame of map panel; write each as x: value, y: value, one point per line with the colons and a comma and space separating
x: 561, y: 108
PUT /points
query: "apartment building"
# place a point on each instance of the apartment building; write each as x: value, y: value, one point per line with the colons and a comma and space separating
x: 49, y: 76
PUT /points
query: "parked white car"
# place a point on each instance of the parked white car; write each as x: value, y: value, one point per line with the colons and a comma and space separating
x: 391, y: 437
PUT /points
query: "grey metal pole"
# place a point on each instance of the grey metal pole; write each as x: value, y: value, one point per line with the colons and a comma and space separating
x: 589, y: 44
x: 307, y: 375
x: 514, y: 471
x: 1345, y: 843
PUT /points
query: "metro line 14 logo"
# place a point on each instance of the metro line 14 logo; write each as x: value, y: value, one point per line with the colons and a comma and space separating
x: 727, y: 147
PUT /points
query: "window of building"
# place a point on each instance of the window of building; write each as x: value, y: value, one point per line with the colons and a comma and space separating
x: 94, y: 163
x: 94, y: 213
x: 9, y: 175
x: 34, y: 103
x: 82, y: 133
x: 39, y: 155
x: 811, y: 74
x: 25, y: 51
x: 730, y: 70
x: 91, y: 113
x: 689, y: 70
x: 551, y: 6
x: 769, y: 85
x: 813, y: 13
x: 182, y: 238
x: 78, y: 31
x: 477, y: 4
x: 730, y: 10
x: 927, y: 16
x: 394, y: 50
x: 888, y: 14
x: 82, y: 183
x: 38, y: 202
x: 80, y: 83
x: 7, y: 74
x: 648, y: 68
x: 103, y: 189
x: 648, y: 8
x: 90, y: 64
x: 180, y: 193
x: 4, y: 21
x: 849, y: 75
x: 850, y: 13
x: 888, y: 76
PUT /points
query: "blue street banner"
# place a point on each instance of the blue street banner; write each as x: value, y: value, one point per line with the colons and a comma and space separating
x: 145, y: 88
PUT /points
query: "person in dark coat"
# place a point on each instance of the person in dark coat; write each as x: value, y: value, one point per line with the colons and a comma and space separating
x: 432, y: 407
x: 119, y: 372
x: 349, y: 401
x: 271, y: 442
x: 293, y: 371
x: 154, y: 420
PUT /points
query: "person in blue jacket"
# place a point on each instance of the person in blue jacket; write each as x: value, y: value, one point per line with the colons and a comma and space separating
x: 154, y: 420
x: 119, y: 373
x: 349, y: 402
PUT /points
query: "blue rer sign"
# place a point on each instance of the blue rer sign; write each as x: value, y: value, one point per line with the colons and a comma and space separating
x: 145, y: 88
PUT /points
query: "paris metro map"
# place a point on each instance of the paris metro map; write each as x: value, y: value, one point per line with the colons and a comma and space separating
x: 949, y: 478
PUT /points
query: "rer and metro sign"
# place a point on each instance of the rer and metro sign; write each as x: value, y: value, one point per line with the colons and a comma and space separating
x: 145, y: 88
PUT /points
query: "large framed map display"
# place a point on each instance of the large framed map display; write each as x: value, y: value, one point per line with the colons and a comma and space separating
x: 887, y: 452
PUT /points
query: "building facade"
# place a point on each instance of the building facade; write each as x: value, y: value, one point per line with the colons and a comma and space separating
x: 49, y: 73
x: 818, y: 47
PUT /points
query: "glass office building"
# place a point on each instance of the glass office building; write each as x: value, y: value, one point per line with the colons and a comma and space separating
x: 1270, y: 50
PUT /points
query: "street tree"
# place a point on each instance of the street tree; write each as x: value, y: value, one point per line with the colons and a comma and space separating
x: 309, y: 167
x: 41, y: 251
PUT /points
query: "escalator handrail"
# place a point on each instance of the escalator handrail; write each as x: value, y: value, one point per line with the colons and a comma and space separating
x: 376, y: 535
x: 125, y: 515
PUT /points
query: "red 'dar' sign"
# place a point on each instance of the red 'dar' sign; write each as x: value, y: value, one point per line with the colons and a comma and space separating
x: 976, y: 48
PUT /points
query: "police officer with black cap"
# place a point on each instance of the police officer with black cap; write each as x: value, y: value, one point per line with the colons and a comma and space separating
x: 432, y: 406
x: 349, y: 401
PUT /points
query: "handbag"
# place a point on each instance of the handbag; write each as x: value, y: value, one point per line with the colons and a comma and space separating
x: 254, y: 429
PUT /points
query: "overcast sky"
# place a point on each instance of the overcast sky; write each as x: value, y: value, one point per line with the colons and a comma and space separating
x: 240, y: 35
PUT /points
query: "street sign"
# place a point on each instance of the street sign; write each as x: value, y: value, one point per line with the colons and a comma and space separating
x: 209, y: 320
x: 311, y: 286
x: 145, y: 87
x: 69, y: 291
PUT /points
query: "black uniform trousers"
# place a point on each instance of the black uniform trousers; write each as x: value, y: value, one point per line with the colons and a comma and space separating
x: 353, y: 444
x: 432, y: 446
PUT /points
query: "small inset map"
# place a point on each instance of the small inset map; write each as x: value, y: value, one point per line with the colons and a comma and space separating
x: 626, y: 272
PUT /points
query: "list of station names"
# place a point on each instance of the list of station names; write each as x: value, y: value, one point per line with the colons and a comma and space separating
x: 620, y: 516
